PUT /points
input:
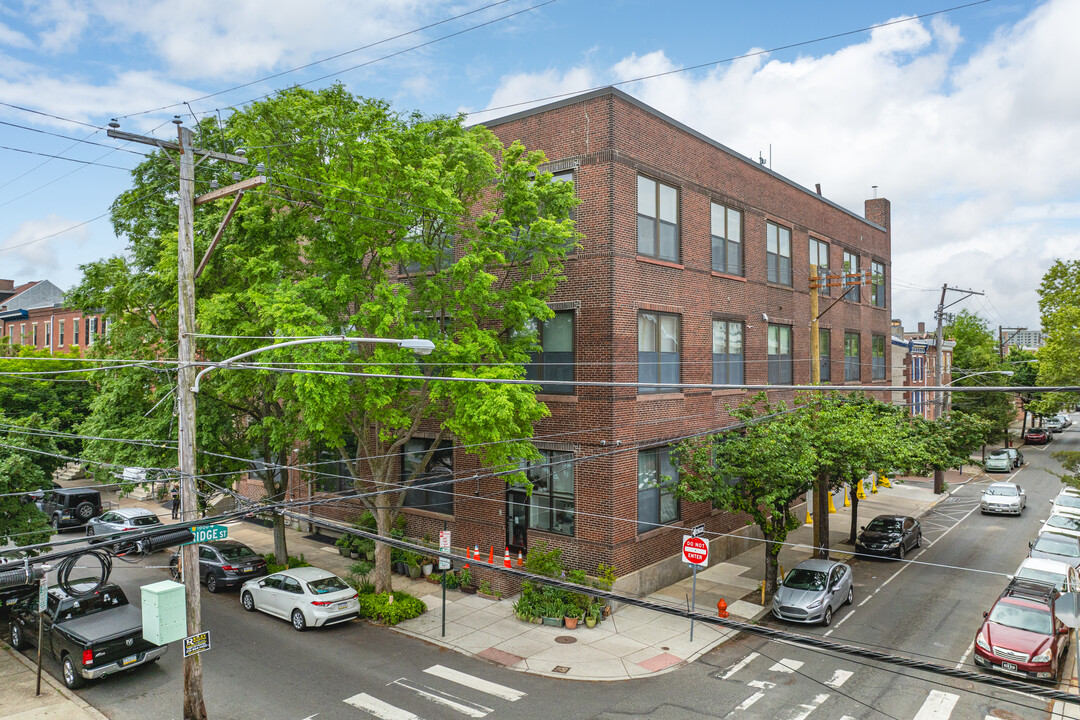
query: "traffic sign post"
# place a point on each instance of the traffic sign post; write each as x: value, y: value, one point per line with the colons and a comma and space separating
x: 444, y: 564
x: 695, y: 551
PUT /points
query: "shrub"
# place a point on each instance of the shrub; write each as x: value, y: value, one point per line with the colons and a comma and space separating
x: 378, y: 607
x: 272, y: 565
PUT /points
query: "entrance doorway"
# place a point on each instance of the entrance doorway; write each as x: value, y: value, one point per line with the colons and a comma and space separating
x: 517, y: 520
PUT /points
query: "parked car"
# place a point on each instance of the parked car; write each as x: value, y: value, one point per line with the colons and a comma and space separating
x: 122, y: 520
x: 10, y: 597
x: 1066, y: 502
x: 1016, y: 455
x: 306, y: 596
x: 890, y: 535
x: 1036, y: 436
x: 813, y: 591
x: 36, y: 496
x: 1061, y: 575
x: 999, y: 461
x: 1055, y: 546
x: 70, y: 507
x: 1003, y: 497
x: 224, y: 564
x: 92, y: 635
x: 1062, y: 523
x: 1053, y: 424
x: 1021, y: 635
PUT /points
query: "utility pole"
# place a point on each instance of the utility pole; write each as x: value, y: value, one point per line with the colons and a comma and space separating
x: 939, y: 401
x: 194, y: 704
x: 1003, y: 341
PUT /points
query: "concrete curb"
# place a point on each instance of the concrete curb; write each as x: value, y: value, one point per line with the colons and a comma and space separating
x: 55, y: 684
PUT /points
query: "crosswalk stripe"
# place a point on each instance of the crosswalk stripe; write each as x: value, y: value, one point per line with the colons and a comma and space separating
x: 750, y: 700
x: 809, y: 707
x: 469, y: 681
x: 786, y: 666
x: 839, y: 678
x: 378, y: 708
x: 739, y: 665
x: 439, y: 698
x: 938, y: 706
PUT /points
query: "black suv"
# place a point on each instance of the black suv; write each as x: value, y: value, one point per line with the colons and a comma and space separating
x: 70, y: 507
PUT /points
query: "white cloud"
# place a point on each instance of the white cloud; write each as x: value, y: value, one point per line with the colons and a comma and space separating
x: 976, y: 155
x: 24, y: 256
x: 13, y: 38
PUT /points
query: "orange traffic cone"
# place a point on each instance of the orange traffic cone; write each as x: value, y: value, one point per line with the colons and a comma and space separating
x: 506, y: 558
x: 721, y: 608
x: 491, y: 556
x: 520, y: 561
x: 476, y: 553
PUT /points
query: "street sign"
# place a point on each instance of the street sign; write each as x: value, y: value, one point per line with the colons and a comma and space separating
x: 444, y: 547
x: 206, y: 533
x: 42, y: 596
x: 195, y: 644
x: 697, y: 530
x: 695, y: 550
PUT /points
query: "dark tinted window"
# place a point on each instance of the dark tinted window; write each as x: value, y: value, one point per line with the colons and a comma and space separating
x: 801, y: 579
x: 237, y: 552
x: 884, y: 525
x: 327, y: 585
x: 145, y: 520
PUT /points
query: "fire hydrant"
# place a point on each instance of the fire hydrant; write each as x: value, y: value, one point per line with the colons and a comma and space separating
x: 721, y: 608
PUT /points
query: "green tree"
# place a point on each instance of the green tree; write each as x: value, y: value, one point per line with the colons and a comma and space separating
x: 976, y: 351
x: 27, y: 461
x: 64, y: 398
x: 1059, y: 357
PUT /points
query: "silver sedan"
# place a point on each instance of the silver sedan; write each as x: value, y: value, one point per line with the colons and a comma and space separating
x: 813, y: 591
x: 1003, y: 497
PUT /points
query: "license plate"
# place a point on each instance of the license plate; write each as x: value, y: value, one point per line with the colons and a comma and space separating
x: 1011, y: 667
x: 247, y: 569
x: 129, y: 659
x: 341, y: 606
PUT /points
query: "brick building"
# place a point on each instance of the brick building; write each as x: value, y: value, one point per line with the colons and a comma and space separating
x: 694, y: 268
x: 914, y: 357
x: 34, y: 314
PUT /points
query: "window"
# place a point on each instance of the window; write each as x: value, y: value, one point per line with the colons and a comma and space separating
x: 824, y: 352
x: 819, y: 257
x: 434, y: 251
x: 61, y: 333
x: 726, y: 240
x: 48, y: 334
x: 851, y: 285
x: 658, y: 350
x: 779, y: 355
x: 75, y: 330
x: 22, y: 333
x: 35, y: 334
x: 91, y: 330
x: 657, y: 220
x: 727, y: 352
x: 439, y: 469
x: 551, y: 507
x: 851, y: 356
x: 877, y: 357
x: 917, y: 403
x: 555, y: 361
x: 877, y: 284
x: 778, y: 254
x: 656, y: 476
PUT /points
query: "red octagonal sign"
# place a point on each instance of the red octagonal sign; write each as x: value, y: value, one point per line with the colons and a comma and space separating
x: 695, y: 550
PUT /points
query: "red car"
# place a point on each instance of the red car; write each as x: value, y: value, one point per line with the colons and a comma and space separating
x: 1036, y: 436
x: 1021, y: 635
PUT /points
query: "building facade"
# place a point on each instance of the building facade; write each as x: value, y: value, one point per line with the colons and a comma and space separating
x: 914, y: 357
x: 33, y: 314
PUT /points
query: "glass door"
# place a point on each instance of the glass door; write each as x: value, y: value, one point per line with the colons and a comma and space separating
x: 517, y: 520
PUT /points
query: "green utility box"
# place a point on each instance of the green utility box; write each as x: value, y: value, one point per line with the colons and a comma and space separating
x: 164, y: 615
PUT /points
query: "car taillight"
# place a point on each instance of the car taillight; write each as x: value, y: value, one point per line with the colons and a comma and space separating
x: 229, y: 568
x: 87, y: 657
x: 322, y: 603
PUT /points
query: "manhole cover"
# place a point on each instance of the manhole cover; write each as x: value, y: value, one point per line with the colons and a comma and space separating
x: 560, y: 669
x: 565, y: 640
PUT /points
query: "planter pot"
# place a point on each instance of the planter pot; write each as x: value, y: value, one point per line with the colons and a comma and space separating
x: 571, y: 623
x: 467, y: 589
x: 354, y: 555
x: 590, y: 622
x: 344, y: 551
x: 553, y: 621
x: 399, y: 568
x: 536, y: 621
x: 486, y: 596
x: 435, y: 579
x: 414, y: 571
x: 370, y: 555
x: 426, y: 568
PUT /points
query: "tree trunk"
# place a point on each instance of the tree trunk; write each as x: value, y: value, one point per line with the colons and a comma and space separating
x: 383, y: 577
x: 854, y: 516
x: 772, y: 563
x: 281, y: 552
x: 821, y: 516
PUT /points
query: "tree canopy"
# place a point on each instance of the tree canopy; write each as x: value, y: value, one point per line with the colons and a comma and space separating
x: 1059, y: 357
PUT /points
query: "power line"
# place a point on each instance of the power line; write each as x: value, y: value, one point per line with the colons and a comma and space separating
x: 111, y: 148
x: 61, y: 157
x: 54, y: 117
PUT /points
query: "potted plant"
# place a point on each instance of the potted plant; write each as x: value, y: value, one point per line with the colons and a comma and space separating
x: 366, y: 547
x: 465, y: 581
x: 484, y: 590
x: 428, y: 566
x: 344, y: 543
x: 570, y: 621
x: 451, y: 579
x: 551, y: 612
x: 594, y: 613
x: 413, y: 562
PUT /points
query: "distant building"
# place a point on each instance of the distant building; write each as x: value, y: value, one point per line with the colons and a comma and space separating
x: 33, y: 313
x: 1024, y: 339
x: 914, y: 366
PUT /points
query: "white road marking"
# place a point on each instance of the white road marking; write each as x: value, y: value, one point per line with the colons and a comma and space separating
x: 749, y: 701
x: 484, y: 686
x: 761, y: 684
x: 865, y: 600
x: 787, y: 666
x: 829, y: 632
x: 378, y: 708
x: 839, y: 678
x: 938, y: 706
x: 449, y: 701
x: 311, y: 717
x: 809, y: 707
x: 739, y: 665
x: 965, y: 656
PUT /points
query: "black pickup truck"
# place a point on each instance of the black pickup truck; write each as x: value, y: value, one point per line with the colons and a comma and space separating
x: 91, y: 636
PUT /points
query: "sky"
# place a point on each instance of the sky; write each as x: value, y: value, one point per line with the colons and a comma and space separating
x: 967, y: 119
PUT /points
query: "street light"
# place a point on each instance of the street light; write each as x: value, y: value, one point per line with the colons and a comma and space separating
x: 417, y: 345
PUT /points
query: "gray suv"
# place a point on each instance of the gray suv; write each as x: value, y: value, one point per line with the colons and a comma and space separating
x: 70, y: 507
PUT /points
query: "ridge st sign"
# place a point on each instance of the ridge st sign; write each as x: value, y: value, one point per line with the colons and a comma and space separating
x: 695, y: 550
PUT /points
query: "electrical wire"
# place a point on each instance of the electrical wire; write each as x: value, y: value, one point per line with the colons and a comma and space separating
x: 111, y: 148
x: 48, y: 115
x: 61, y: 157
x: 67, y: 564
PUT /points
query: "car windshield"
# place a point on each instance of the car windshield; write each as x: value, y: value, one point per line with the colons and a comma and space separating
x: 1068, y: 501
x: 1022, y: 618
x: 1043, y: 576
x: 327, y: 585
x: 884, y: 525
x: 999, y: 454
x: 145, y: 520
x: 800, y: 579
x: 1057, y: 545
x: 1007, y: 490
x: 1065, y: 522
x: 237, y: 552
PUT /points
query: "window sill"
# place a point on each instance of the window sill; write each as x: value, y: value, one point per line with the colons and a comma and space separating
x: 779, y: 286
x: 732, y: 391
x: 878, y: 307
x: 644, y: 397
x: 662, y: 263
x: 655, y: 532
x: 554, y: 398
x: 428, y: 513
x: 726, y: 276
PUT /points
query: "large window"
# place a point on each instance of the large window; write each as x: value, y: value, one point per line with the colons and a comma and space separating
x: 778, y: 254
x: 75, y: 323
x: 726, y: 240
x: 432, y: 252
x: 551, y: 507
x: 851, y: 356
x: 555, y: 361
x: 657, y: 476
x: 877, y: 284
x: 658, y: 350
x: 779, y: 355
x: 851, y: 285
x: 727, y: 352
x: 819, y: 258
x: 657, y: 220
x: 428, y: 489
x: 61, y: 333
x: 824, y: 353
x: 35, y: 335
x: 877, y: 357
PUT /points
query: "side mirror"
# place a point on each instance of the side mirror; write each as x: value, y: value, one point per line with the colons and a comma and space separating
x: 1063, y: 630
x: 985, y: 614
x: 862, y: 527
x: 262, y: 583
x: 1031, y: 544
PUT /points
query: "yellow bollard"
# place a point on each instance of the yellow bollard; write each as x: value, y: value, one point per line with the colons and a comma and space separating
x: 873, y: 486
x: 884, y: 479
x: 763, y: 593
x: 832, y: 508
x: 860, y: 492
x: 847, y: 500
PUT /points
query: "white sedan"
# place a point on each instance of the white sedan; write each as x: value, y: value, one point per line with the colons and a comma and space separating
x: 305, y: 596
x: 1064, y: 523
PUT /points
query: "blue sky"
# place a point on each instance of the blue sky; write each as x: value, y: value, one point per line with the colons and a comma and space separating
x: 966, y: 120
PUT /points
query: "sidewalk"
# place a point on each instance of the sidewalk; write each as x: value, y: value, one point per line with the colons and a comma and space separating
x: 18, y: 702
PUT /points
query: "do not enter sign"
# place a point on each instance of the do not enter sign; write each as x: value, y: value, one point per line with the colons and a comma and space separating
x: 695, y: 550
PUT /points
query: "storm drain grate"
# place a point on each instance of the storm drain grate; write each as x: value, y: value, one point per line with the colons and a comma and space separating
x: 560, y: 669
x: 566, y: 640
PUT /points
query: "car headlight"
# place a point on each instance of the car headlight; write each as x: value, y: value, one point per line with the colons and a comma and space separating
x: 816, y: 603
x: 893, y: 545
x: 1042, y: 657
x: 981, y: 642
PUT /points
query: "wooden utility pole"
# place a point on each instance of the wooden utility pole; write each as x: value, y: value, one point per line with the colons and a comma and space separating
x: 194, y: 704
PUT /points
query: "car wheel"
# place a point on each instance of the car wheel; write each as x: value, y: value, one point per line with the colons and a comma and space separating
x: 827, y: 620
x: 84, y: 511
x: 72, y: 678
x: 900, y: 552
x: 211, y: 582
x: 247, y: 601
x: 89, y: 531
x: 850, y: 596
x: 298, y: 620
x: 918, y: 540
x: 17, y: 640
x: 55, y: 522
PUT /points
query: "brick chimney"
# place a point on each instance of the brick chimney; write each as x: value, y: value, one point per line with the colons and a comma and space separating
x: 879, y: 210
x: 922, y: 327
x: 8, y: 285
